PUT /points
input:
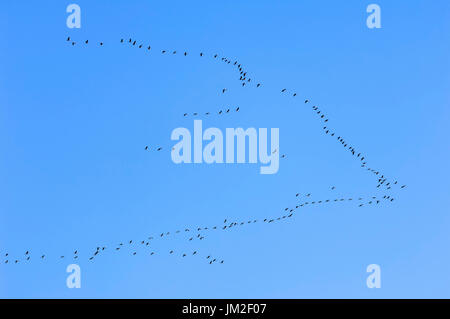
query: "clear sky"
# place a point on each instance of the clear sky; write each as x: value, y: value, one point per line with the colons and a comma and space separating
x: 74, y: 175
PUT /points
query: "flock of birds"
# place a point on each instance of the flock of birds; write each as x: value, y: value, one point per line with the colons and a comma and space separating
x: 220, y: 112
x: 199, y: 233
x: 288, y: 212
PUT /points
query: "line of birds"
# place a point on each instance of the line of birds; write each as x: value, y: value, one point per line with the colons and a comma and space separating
x: 146, y: 242
x: 288, y: 213
x: 220, y: 112
x: 382, y: 180
x: 243, y: 77
x: 97, y: 252
x: 372, y: 200
x: 243, y: 73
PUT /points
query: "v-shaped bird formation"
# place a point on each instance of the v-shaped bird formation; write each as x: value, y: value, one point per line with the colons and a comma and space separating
x: 146, y: 247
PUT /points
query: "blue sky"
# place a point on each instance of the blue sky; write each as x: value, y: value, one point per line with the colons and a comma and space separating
x: 75, y: 121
